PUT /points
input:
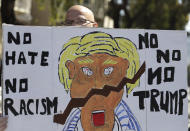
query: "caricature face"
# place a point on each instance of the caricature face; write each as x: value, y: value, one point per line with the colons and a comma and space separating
x: 93, y: 72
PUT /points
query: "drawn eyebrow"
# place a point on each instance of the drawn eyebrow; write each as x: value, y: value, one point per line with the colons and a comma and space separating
x: 80, y: 102
x: 85, y: 61
x: 110, y: 61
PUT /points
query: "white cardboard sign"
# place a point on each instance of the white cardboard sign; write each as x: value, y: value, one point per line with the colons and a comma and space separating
x: 73, y: 78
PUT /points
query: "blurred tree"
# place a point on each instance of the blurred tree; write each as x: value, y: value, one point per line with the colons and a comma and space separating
x: 58, y: 9
x: 149, y: 14
x: 188, y: 75
x: 7, y: 11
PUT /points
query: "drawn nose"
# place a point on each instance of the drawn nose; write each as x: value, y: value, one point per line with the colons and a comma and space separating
x: 99, y: 85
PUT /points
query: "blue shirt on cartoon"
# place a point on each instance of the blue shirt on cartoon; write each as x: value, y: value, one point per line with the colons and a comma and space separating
x: 124, y: 119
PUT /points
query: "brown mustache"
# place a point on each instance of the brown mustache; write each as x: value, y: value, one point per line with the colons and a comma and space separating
x: 80, y: 102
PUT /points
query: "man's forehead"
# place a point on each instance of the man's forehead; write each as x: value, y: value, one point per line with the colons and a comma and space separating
x: 80, y: 9
x: 76, y: 13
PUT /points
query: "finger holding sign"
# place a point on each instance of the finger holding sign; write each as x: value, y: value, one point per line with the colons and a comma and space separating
x: 3, y: 123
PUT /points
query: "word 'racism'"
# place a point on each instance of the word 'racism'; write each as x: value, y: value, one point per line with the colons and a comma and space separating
x: 19, y: 86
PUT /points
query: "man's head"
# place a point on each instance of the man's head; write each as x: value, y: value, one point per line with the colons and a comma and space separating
x: 92, y: 61
x: 78, y: 15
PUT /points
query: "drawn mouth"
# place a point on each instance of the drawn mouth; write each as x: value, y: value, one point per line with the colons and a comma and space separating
x: 98, y: 117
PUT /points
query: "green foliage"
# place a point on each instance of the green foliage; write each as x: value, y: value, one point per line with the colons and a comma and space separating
x: 150, y: 14
x: 40, y: 4
x: 58, y: 9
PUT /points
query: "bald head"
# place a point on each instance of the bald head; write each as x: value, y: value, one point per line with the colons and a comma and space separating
x: 81, y: 16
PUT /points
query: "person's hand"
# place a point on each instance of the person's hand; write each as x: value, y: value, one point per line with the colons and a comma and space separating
x: 3, y: 123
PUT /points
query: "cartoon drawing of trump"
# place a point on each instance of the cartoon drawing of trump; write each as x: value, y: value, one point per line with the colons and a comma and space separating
x: 90, y: 62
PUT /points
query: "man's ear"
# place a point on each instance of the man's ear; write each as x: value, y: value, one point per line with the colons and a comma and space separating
x: 95, y: 24
x: 71, y: 67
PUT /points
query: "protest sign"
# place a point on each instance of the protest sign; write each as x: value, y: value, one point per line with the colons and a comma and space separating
x: 74, y: 78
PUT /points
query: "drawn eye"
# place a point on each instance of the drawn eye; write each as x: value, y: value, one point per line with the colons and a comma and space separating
x: 108, y: 71
x: 87, y: 71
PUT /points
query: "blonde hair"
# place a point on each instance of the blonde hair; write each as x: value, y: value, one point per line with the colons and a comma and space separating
x: 98, y: 42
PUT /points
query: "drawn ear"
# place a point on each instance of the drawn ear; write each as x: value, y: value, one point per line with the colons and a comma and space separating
x: 71, y: 67
x: 126, y: 65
